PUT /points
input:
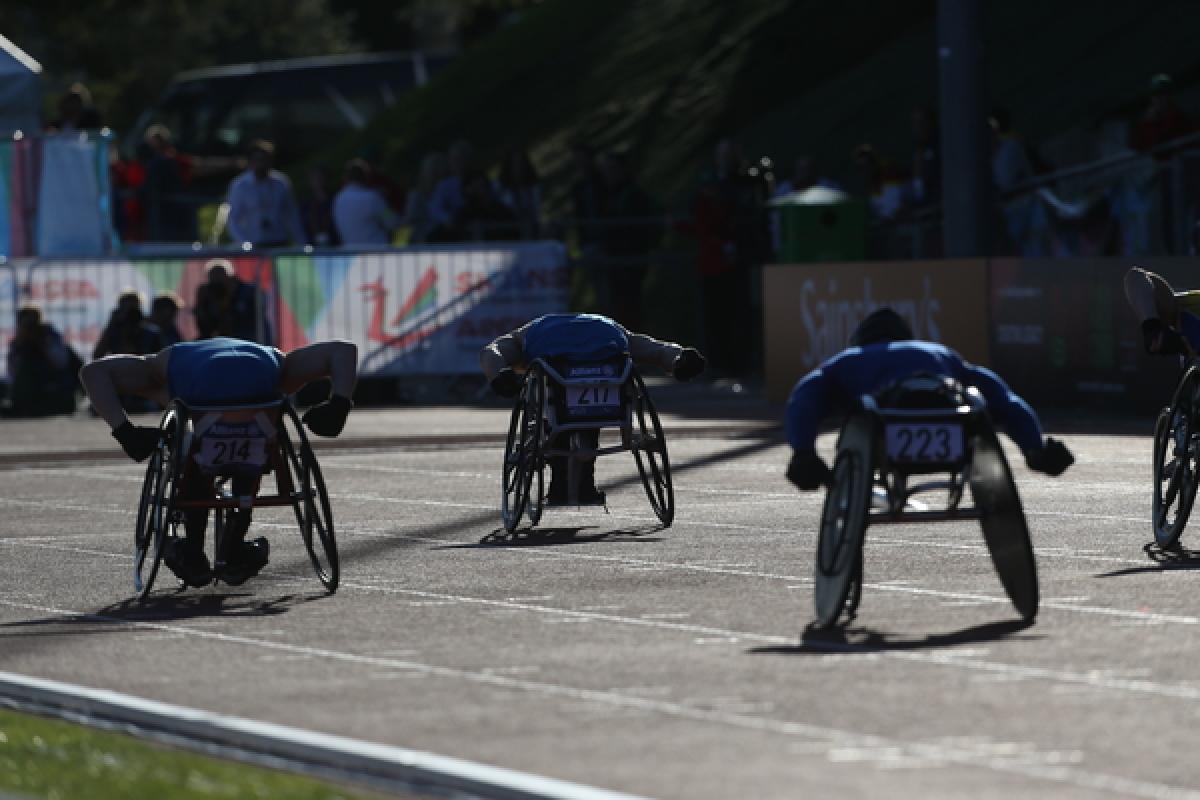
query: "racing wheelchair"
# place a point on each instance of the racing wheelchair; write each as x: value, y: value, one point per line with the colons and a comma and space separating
x: 1176, y: 459
x: 559, y: 401
x: 213, y: 447
x: 921, y: 436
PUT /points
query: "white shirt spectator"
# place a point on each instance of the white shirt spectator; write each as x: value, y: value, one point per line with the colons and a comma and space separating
x: 362, y: 217
x: 263, y: 211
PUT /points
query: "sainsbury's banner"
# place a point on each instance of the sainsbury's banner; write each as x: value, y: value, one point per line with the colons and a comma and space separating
x: 810, y: 310
x: 415, y: 311
x: 419, y: 310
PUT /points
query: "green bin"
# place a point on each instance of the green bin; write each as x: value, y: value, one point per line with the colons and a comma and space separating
x: 821, y: 225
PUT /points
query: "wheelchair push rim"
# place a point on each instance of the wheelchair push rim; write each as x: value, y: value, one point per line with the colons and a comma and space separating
x: 837, y: 582
x: 314, y: 513
x: 650, y: 455
x: 1002, y: 519
x: 1176, y: 457
x: 154, y: 506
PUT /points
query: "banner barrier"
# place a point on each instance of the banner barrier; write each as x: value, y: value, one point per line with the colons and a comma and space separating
x: 1064, y: 336
x: 414, y: 311
x: 9, y: 299
x: 810, y: 310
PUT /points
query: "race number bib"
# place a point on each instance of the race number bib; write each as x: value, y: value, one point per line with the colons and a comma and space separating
x: 593, y: 399
x: 924, y: 443
x: 226, y: 446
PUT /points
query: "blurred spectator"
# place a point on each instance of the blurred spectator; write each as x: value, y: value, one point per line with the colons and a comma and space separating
x: 262, y: 208
x: 520, y: 190
x: 42, y: 368
x: 169, y: 217
x: 1162, y: 121
x: 630, y: 231
x: 587, y: 195
x: 75, y: 112
x: 360, y: 214
x: 1011, y: 165
x: 482, y: 216
x: 417, y: 214
x: 927, y: 159
x: 882, y: 182
x: 317, y: 210
x: 730, y: 223
x: 164, y: 312
x: 394, y: 192
x: 228, y: 306
x: 128, y: 331
x: 447, y: 200
x: 128, y: 178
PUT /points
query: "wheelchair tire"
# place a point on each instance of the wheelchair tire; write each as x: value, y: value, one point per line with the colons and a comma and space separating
x: 1176, y: 456
x: 838, y: 570
x: 522, y: 453
x: 154, y: 517
x: 314, y: 514
x: 650, y: 454
x: 1003, y: 521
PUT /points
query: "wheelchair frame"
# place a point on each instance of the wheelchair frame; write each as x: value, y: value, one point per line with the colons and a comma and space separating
x: 299, y: 484
x: 863, y: 467
x: 1176, y: 459
x: 535, y: 423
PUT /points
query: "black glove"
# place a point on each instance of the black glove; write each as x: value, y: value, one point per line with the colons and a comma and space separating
x: 507, y: 383
x: 138, y: 442
x: 1161, y: 339
x: 328, y: 418
x: 688, y: 364
x: 807, y: 471
x: 1053, y: 459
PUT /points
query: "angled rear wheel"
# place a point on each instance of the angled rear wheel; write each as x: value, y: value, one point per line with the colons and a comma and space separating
x: 1176, y: 461
x: 650, y: 453
x: 838, y: 573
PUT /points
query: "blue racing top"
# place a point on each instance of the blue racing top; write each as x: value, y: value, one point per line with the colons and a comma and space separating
x: 214, y: 372
x: 579, y: 337
x: 838, y: 383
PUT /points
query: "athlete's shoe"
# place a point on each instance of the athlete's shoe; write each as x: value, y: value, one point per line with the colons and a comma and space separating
x: 246, y: 561
x: 189, y: 563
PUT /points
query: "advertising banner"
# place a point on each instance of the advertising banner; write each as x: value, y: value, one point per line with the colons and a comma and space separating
x: 810, y: 310
x: 415, y: 311
x: 1065, y: 337
x: 419, y: 310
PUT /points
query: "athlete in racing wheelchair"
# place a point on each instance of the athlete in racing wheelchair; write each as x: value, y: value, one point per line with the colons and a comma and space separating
x: 228, y: 422
x: 1170, y: 323
x: 914, y: 409
x: 580, y: 377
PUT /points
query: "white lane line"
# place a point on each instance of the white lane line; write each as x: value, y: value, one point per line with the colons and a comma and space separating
x: 660, y: 565
x: 265, y: 743
x: 1027, y: 763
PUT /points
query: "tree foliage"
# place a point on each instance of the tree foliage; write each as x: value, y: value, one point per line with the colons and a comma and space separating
x: 125, y: 53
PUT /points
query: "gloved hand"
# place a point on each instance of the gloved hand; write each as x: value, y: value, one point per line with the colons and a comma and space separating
x: 507, y: 383
x: 137, y: 441
x: 1053, y: 459
x: 688, y: 364
x: 1161, y: 339
x: 328, y: 418
x: 807, y: 471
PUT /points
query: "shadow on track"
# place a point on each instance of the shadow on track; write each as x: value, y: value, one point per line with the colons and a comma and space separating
x: 866, y: 640
x: 542, y: 537
x: 1165, y: 560
x: 354, y: 548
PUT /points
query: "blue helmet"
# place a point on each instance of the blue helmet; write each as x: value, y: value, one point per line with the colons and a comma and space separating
x: 881, y: 325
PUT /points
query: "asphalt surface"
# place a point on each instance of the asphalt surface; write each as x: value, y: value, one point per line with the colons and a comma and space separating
x: 604, y: 650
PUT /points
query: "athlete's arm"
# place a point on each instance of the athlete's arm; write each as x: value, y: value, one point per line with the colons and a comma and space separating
x: 1007, y: 408
x: 644, y: 349
x: 336, y: 359
x: 504, y: 351
x: 807, y: 405
x: 105, y: 380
